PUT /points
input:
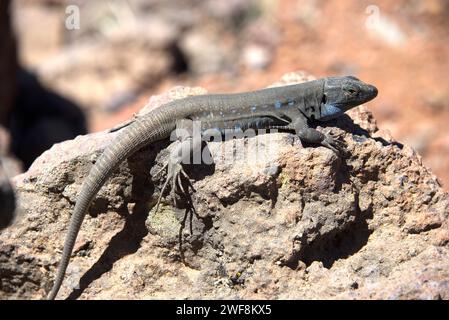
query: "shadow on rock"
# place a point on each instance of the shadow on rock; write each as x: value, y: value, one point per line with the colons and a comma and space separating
x: 41, y: 118
x: 126, y: 242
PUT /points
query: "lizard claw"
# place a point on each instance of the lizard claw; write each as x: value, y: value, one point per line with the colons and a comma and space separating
x: 335, y: 145
x: 175, y: 173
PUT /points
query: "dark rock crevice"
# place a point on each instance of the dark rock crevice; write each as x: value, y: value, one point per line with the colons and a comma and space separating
x: 338, y: 245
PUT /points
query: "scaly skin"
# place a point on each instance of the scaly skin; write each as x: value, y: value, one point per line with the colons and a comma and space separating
x: 289, y: 107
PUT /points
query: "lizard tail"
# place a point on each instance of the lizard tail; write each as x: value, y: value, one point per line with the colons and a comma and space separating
x: 81, y: 206
x: 131, y: 139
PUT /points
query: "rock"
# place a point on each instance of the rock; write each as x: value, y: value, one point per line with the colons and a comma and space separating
x: 208, y: 50
x: 116, y: 70
x: 41, y: 118
x: 260, y: 42
x: 384, y: 28
x: 7, y: 198
x: 273, y: 220
x: 9, y: 167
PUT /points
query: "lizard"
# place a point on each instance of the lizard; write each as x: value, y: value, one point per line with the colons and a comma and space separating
x: 292, y: 107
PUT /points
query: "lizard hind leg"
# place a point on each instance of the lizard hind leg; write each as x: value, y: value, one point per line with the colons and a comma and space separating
x: 175, y: 172
x: 175, y: 178
x: 180, y: 152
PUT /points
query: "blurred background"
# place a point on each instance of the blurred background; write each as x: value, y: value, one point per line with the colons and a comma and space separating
x: 72, y: 67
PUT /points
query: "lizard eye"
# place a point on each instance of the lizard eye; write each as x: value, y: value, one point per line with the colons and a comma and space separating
x: 352, y: 91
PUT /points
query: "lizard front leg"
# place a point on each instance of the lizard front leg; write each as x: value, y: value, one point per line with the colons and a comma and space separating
x: 180, y: 153
x: 310, y: 135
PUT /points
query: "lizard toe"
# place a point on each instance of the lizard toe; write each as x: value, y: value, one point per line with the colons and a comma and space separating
x: 332, y: 144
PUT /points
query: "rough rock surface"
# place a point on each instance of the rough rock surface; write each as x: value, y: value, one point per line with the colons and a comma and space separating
x: 274, y: 220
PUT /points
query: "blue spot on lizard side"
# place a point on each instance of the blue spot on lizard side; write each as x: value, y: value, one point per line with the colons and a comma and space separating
x: 278, y: 105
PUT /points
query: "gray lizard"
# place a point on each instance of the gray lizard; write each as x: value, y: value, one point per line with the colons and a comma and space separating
x: 292, y: 107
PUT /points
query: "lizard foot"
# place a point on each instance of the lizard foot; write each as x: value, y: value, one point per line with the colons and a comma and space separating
x: 175, y: 174
x: 335, y: 145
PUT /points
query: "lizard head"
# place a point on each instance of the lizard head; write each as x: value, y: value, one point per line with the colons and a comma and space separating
x: 343, y: 93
